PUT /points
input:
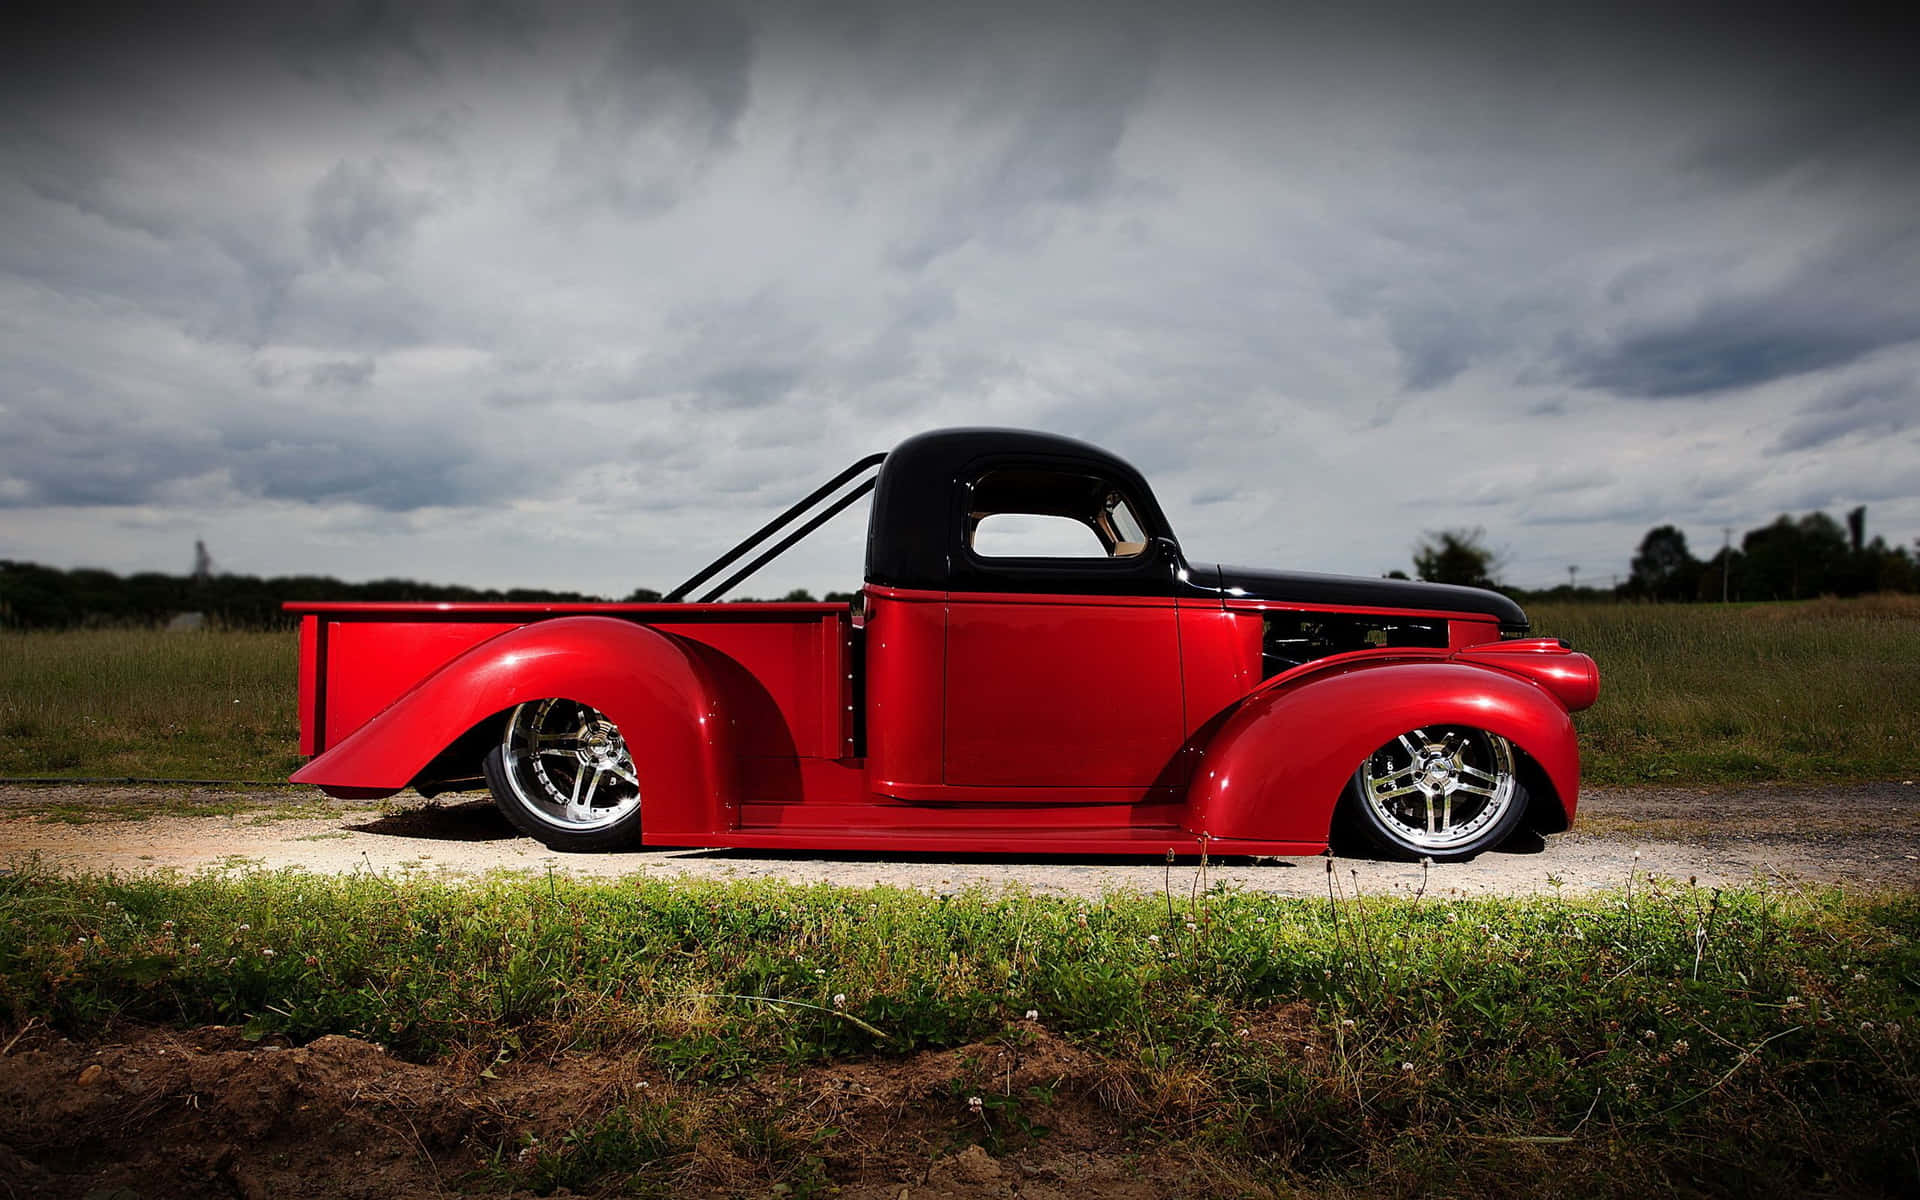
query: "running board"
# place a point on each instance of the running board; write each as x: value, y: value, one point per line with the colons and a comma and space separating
x: 1135, y: 840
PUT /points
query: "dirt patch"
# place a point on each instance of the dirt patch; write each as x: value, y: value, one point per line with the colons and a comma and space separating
x: 1862, y: 835
x: 167, y: 1114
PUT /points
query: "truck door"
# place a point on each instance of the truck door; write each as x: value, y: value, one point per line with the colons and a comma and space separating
x: 1063, y: 652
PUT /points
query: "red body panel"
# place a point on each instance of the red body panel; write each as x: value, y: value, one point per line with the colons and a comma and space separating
x: 1277, y: 767
x: 906, y: 635
x: 1048, y: 691
x: 656, y: 687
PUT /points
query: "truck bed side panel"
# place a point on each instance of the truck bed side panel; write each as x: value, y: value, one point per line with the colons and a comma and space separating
x: 784, y: 669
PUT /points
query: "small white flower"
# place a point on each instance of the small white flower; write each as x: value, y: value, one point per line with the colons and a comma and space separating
x: 975, y: 1103
x: 1405, y: 1066
x: 267, y: 953
x: 111, y: 906
x: 1033, y: 1014
x: 1347, y: 1023
x: 1858, y: 977
x: 244, y: 928
x: 1154, y: 938
x: 821, y: 971
x: 166, y: 924
x: 839, y: 999
x: 1192, y: 928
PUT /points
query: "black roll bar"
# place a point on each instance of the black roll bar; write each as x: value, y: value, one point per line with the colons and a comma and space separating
x: 774, y: 526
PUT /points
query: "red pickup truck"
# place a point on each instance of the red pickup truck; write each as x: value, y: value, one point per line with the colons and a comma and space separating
x: 1032, y: 666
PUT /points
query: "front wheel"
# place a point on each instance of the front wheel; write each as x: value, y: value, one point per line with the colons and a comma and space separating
x: 1446, y: 792
x: 562, y: 775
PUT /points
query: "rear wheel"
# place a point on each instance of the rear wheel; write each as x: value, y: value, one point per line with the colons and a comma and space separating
x: 1444, y: 792
x: 562, y: 774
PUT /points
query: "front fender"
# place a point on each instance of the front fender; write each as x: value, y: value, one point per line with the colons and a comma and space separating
x: 648, y: 682
x: 1277, y: 766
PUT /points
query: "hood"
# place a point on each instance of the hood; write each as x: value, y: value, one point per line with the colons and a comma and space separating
x: 1250, y: 583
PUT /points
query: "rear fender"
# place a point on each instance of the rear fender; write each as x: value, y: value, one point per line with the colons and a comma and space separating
x: 1277, y: 767
x: 649, y: 683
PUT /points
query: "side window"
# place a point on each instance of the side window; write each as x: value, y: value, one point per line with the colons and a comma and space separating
x: 1042, y: 513
x: 1020, y: 535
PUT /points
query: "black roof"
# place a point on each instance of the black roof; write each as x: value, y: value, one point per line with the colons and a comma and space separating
x: 913, y: 529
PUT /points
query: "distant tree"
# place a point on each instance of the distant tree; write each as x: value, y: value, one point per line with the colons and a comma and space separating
x: 642, y: 596
x: 1792, y: 560
x: 1664, y: 569
x: 1456, y: 556
x: 1395, y: 574
x: 798, y: 596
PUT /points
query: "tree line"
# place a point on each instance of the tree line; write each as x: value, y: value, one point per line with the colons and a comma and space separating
x: 37, y: 597
x: 1793, y: 558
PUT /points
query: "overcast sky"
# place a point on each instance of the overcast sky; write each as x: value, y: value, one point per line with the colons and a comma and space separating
x: 500, y: 294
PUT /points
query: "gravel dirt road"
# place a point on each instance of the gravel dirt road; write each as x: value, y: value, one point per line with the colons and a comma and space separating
x: 1864, y: 835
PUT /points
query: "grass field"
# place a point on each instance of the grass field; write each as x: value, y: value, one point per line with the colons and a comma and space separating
x: 1661, y: 1039
x: 1819, y: 691
x: 134, y: 702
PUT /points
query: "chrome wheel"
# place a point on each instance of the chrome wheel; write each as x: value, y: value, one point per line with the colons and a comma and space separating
x: 568, y: 766
x: 1442, y: 790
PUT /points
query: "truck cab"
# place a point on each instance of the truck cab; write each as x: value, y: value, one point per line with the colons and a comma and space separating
x: 1031, y: 664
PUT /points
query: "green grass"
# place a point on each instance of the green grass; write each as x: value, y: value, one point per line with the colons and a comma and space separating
x: 1821, y: 690
x: 1662, y: 1038
x: 142, y: 703
x: 1817, y: 691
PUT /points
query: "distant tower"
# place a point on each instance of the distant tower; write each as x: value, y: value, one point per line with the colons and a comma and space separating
x: 1573, y: 578
x: 202, y: 562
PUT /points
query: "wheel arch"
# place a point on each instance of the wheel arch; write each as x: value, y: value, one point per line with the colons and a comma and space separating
x: 1278, y: 766
x: 649, y: 683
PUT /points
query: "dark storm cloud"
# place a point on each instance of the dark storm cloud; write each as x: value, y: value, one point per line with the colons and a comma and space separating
x: 1068, y: 115
x: 666, y: 96
x: 272, y: 453
x: 1877, y: 408
x: 1843, y: 304
x: 359, y: 214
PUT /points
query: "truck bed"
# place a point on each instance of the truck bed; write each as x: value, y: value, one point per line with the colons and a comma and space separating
x: 786, y: 669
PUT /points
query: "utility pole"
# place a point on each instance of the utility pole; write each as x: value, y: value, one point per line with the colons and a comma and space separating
x: 1726, y: 559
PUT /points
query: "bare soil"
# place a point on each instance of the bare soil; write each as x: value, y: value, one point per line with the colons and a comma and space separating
x: 206, y: 1113
x: 1864, y: 835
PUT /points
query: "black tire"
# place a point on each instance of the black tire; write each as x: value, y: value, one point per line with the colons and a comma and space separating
x: 1445, y: 792
x: 553, y: 754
